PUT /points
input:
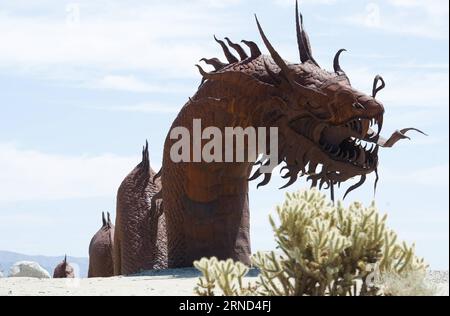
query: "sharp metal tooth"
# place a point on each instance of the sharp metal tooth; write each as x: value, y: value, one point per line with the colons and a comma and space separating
x: 371, y: 148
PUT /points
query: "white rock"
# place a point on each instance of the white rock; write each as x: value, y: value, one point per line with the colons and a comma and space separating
x: 26, y: 269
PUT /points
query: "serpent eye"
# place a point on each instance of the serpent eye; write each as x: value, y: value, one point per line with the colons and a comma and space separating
x: 358, y: 106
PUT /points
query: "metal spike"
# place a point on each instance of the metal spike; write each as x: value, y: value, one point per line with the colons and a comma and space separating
x: 304, y: 46
x: 285, y: 71
x: 215, y: 62
x: 242, y: 54
x: 254, y: 49
x: 230, y: 57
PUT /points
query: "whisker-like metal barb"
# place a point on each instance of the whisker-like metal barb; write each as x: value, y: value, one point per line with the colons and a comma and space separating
x: 354, y: 187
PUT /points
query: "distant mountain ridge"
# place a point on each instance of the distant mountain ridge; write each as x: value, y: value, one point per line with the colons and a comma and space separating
x: 7, y: 259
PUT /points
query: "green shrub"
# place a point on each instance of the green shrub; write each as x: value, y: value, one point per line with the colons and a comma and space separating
x: 324, y: 250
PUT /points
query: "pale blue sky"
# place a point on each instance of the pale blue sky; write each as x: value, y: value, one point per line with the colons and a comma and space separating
x: 84, y: 83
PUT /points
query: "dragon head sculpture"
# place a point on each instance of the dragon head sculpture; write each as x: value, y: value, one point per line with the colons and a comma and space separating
x: 328, y: 130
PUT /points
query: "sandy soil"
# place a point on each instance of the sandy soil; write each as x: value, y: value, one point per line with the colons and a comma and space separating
x: 167, y: 283
x: 139, y: 286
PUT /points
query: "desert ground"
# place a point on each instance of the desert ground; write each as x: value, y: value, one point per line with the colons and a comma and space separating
x: 179, y: 282
x: 168, y: 283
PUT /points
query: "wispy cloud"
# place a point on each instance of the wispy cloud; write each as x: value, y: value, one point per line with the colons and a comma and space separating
x: 34, y: 175
x: 126, y: 83
x: 142, y: 107
x: 111, y: 37
x: 133, y: 84
x: 410, y: 17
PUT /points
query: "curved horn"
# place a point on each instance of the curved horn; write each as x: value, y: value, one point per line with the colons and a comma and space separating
x: 242, y: 54
x: 230, y: 57
x: 304, y: 45
x: 254, y: 49
x: 285, y: 71
x: 336, y: 64
x: 377, y: 89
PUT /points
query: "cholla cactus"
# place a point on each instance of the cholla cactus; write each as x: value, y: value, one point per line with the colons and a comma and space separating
x: 324, y: 250
x: 227, y: 275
